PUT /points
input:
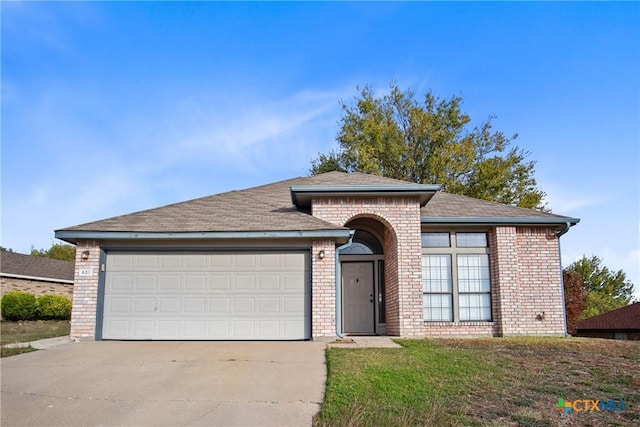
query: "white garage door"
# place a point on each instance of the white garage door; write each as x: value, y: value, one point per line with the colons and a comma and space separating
x: 207, y: 296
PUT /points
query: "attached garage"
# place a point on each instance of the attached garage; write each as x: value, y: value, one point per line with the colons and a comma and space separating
x: 197, y: 295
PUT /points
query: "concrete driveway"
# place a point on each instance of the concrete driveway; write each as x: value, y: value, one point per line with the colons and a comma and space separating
x: 164, y: 384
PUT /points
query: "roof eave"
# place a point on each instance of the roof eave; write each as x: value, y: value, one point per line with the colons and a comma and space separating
x: 500, y: 220
x: 72, y: 236
x: 301, y: 195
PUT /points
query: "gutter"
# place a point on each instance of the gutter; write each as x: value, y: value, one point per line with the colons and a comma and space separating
x: 37, y: 278
x: 566, y: 228
x: 72, y: 236
x: 500, y: 220
x: 338, y: 296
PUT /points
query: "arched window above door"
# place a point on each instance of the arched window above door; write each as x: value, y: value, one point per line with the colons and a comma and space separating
x: 364, y: 243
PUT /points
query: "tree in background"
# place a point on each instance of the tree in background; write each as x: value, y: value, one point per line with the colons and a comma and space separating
x: 605, y: 290
x: 397, y: 136
x: 56, y: 251
x: 574, y: 298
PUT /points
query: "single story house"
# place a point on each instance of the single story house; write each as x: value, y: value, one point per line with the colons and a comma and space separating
x: 620, y: 324
x: 36, y: 275
x: 319, y: 257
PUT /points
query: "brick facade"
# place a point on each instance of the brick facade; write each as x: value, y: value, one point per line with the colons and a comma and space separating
x: 323, y: 290
x: 524, y: 265
x: 85, y: 295
x: 401, y: 219
x: 36, y: 287
x: 526, y: 281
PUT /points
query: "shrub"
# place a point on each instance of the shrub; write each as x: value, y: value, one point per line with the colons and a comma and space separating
x: 17, y: 305
x: 54, y: 307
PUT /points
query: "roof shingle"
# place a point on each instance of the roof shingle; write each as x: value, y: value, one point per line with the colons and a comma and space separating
x: 626, y: 318
x: 269, y: 208
x: 31, y: 266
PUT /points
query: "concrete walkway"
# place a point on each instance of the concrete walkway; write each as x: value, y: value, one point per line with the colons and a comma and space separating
x: 365, y: 342
x: 40, y: 344
x: 113, y: 383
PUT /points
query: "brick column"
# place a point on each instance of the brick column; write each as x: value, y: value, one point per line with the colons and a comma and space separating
x: 505, y: 280
x: 323, y: 289
x: 85, y: 292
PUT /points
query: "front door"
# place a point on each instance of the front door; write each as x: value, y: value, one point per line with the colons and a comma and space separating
x: 357, y: 297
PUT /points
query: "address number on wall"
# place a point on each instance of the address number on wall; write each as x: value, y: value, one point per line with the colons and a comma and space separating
x: 85, y: 272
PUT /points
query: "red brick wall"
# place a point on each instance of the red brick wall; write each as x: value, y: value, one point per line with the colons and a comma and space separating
x: 85, y: 295
x: 323, y: 292
x: 526, y: 281
x: 401, y: 218
x: 35, y: 287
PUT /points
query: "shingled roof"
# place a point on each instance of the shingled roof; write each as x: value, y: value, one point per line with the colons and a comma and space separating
x: 447, y: 205
x: 269, y: 208
x: 625, y: 318
x: 20, y: 265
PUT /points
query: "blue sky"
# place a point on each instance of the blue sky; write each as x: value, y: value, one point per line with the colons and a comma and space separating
x: 109, y: 108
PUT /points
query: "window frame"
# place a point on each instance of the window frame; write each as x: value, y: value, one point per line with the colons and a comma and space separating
x: 453, y: 251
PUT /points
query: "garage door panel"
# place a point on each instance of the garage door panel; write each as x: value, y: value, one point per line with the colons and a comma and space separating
x: 293, y: 282
x: 269, y: 282
x: 116, y: 305
x: 195, y: 282
x: 245, y: 282
x: 168, y: 329
x: 194, y: 305
x: 119, y: 328
x: 145, y: 283
x: 212, y: 295
x: 120, y: 283
x: 143, y: 328
x: 220, y: 282
x: 269, y: 305
x: 219, y: 305
x: 145, y: 305
x: 243, y: 305
x: 245, y: 261
x: 169, y: 305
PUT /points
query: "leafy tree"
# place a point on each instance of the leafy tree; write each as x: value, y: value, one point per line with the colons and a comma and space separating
x: 430, y: 142
x: 56, y: 251
x: 605, y: 290
x: 3, y: 249
x: 574, y: 298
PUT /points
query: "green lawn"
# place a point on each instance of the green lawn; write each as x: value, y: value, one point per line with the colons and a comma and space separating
x: 483, y: 382
x: 27, y: 331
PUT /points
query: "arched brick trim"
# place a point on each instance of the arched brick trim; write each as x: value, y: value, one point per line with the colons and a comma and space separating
x: 402, y: 248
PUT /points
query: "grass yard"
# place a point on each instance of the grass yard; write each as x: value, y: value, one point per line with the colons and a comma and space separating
x: 32, y: 330
x: 482, y: 382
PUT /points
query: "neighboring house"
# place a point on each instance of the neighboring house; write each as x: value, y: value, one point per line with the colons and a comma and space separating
x: 319, y: 257
x: 36, y: 275
x: 620, y: 324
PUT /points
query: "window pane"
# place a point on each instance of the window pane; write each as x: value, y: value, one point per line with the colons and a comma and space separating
x: 437, y: 307
x: 473, y: 273
x: 475, y: 307
x: 471, y: 240
x: 435, y: 240
x: 436, y: 273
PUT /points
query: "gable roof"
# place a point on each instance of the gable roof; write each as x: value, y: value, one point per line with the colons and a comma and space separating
x: 30, y: 267
x: 269, y: 210
x: 627, y: 317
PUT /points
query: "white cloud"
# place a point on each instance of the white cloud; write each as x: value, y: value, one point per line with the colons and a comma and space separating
x: 567, y: 201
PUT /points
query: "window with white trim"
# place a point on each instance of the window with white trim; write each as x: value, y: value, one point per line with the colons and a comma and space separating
x: 455, y: 277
